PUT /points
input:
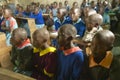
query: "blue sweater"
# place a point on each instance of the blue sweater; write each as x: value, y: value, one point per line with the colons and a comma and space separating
x: 80, y: 26
x: 38, y: 18
x: 58, y: 23
x: 70, y: 65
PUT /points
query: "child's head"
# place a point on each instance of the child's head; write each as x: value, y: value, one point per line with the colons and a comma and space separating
x: 75, y: 14
x: 49, y: 23
x: 40, y: 38
x: 95, y: 20
x: 66, y: 3
x: 7, y: 13
x: 36, y: 10
x: 19, y: 35
x: 20, y: 9
x: 66, y: 34
x: 85, y: 11
x: 91, y: 12
x: 102, y: 42
x: 42, y: 6
x: 75, y: 4
x: 61, y: 13
x: 60, y: 5
x: 55, y: 4
x: 47, y: 7
x: 93, y: 4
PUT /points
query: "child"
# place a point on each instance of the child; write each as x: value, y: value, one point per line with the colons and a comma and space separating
x: 62, y: 18
x: 103, y: 65
x: 45, y: 57
x: 70, y: 57
x: 54, y: 10
x: 66, y: 5
x: 21, y: 54
x: 51, y: 28
x: 93, y: 26
x: 9, y: 24
x: 93, y: 5
x: 37, y: 15
x: 21, y: 12
x: 77, y: 21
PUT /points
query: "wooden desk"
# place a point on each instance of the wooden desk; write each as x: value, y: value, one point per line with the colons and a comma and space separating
x: 30, y: 21
x: 9, y: 75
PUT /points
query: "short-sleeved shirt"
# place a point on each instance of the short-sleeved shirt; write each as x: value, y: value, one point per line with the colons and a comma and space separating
x: 10, y: 22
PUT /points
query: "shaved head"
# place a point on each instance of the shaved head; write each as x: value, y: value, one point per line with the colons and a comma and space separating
x: 106, y: 37
x: 40, y: 37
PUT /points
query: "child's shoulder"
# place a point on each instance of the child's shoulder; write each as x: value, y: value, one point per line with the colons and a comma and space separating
x: 80, y: 21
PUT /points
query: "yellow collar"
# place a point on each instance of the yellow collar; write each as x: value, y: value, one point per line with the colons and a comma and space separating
x: 45, y: 51
x: 106, y: 62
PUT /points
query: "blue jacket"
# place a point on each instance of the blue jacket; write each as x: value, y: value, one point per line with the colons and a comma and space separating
x: 80, y: 26
x: 58, y: 23
x: 38, y: 18
x: 70, y: 66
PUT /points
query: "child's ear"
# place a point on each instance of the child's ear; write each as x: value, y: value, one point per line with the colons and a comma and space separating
x: 70, y: 38
x: 110, y: 48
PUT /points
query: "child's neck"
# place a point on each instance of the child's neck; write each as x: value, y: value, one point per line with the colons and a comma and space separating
x: 99, y: 58
x: 76, y: 20
x: 61, y: 19
x: 68, y: 46
x: 44, y: 46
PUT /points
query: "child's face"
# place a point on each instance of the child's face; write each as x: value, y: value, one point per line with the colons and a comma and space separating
x: 6, y: 13
x: 89, y: 24
x: 36, y: 11
x: 75, y: 4
x: 55, y: 5
x: 60, y: 14
x: 62, y: 38
x: 20, y: 10
x: 37, y: 42
x: 85, y: 11
x: 15, y: 40
x: 98, y: 48
x: 60, y: 4
x: 75, y: 15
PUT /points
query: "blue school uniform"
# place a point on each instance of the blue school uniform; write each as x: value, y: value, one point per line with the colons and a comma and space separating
x: 80, y: 26
x: 58, y: 23
x: 70, y: 65
x: 39, y: 21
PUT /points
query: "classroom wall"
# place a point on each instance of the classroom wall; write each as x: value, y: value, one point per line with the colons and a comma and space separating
x: 26, y: 2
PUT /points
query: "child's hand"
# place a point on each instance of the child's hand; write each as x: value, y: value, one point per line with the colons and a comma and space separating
x: 94, y: 30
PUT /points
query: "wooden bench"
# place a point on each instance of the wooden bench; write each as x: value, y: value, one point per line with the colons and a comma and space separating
x: 9, y: 75
x: 4, y: 53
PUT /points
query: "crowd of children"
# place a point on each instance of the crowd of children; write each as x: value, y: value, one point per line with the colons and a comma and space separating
x: 71, y: 44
